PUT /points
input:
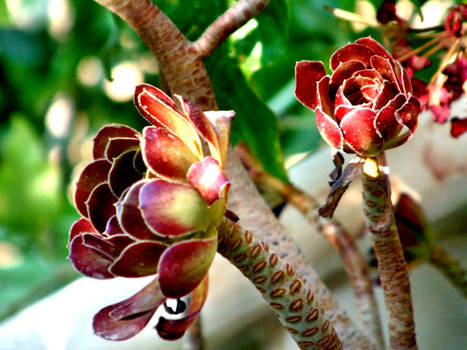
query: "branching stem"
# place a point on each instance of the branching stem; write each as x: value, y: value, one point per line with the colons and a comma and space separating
x: 392, y: 266
x: 235, y: 17
x: 450, y: 267
x: 296, y: 306
x: 353, y: 261
x: 184, y: 71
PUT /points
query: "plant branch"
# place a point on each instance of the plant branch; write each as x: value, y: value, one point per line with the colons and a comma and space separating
x: 353, y: 261
x: 296, y: 306
x: 450, y: 267
x: 235, y: 17
x: 256, y: 216
x: 392, y: 266
x: 183, y: 69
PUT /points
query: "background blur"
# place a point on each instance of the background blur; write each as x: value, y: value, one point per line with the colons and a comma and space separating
x: 67, y: 67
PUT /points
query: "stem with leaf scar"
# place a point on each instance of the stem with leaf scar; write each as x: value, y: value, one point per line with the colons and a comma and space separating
x: 392, y: 266
x: 281, y: 286
x: 344, y: 243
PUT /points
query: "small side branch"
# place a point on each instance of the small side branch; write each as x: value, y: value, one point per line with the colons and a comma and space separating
x: 297, y: 307
x: 450, y: 267
x: 392, y: 266
x: 230, y: 21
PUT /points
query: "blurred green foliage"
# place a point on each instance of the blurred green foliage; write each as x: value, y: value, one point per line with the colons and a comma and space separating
x: 253, y: 73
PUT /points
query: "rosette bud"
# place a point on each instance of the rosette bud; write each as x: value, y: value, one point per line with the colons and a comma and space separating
x: 366, y: 105
x: 151, y: 204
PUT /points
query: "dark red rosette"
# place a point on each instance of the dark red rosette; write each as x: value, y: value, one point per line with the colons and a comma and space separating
x: 151, y: 204
x: 366, y: 105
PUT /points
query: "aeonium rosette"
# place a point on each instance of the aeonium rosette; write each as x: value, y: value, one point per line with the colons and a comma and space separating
x: 151, y: 204
x: 366, y: 105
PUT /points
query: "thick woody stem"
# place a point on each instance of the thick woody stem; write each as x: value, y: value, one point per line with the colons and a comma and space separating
x: 185, y: 73
x: 392, y: 266
x: 182, y: 67
x: 450, y: 267
x: 235, y: 17
x: 353, y: 261
x: 256, y: 216
x: 281, y: 286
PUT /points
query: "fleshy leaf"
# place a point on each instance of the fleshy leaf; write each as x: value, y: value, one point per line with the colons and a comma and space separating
x: 104, y: 135
x: 328, y: 129
x: 174, y: 329
x: 101, y: 206
x: 344, y: 71
x: 80, y: 226
x: 184, y: 265
x: 158, y: 111
x: 385, y: 68
x: 172, y: 209
x: 127, y: 318
x: 123, y: 173
x: 138, y: 259
x: 404, y: 78
x: 130, y: 216
x: 352, y: 52
x: 386, y: 124
x: 327, y: 106
x: 202, y: 125
x: 113, y: 227
x: 307, y: 75
x: 222, y: 122
x: 408, y: 114
x: 166, y: 154
x: 375, y: 46
x: 384, y: 96
x: 117, y: 145
x: 92, y: 175
x: 91, y: 260
x: 359, y: 131
x: 209, y: 179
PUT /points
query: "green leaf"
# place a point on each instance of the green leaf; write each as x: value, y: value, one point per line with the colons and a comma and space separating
x: 262, y: 42
x: 299, y: 134
x: 30, y: 195
x: 418, y: 7
x: 254, y: 123
x: 4, y: 15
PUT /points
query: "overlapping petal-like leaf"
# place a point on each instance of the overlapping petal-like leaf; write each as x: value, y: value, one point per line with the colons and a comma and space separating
x: 127, y: 318
x: 92, y: 175
x: 184, y: 265
x: 171, y: 209
x: 165, y: 154
x: 159, y: 110
x: 151, y: 204
x: 104, y: 136
x: 100, y: 205
x: 209, y: 179
x: 366, y: 105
